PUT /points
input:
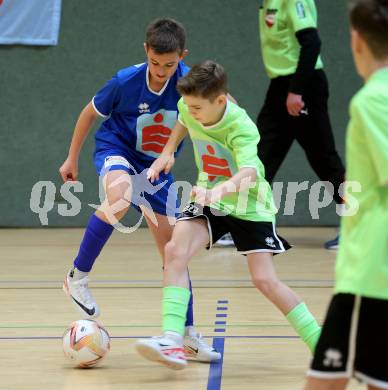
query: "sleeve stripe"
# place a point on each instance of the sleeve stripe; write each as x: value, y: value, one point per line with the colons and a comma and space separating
x: 98, y: 112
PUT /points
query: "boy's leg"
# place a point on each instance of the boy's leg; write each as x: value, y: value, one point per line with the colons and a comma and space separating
x: 265, y: 279
x: 117, y: 186
x: 195, y: 346
x: 162, y: 234
x: 314, y: 133
x: 325, y: 384
x: 187, y: 239
x: 276, y: 137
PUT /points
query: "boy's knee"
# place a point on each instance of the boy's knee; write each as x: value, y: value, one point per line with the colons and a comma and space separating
x: 174, y: 252
x: 118, y: 204
x: 265, y: 284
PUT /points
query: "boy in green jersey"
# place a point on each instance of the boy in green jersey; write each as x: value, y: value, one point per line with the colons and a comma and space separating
x: 354, y: 337
x: 231, y: 196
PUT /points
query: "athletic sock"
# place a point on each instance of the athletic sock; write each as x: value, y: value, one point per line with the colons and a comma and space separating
x: 96, y: 235
x: 305, y: 325
x: 175, y: 302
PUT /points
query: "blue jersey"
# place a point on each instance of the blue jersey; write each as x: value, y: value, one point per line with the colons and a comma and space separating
x: 138, y: 120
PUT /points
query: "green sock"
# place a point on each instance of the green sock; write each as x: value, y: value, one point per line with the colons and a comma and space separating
x: 175, y: 303
x: 305, y: 325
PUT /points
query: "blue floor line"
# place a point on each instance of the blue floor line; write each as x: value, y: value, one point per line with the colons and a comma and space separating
x: 215, y: 370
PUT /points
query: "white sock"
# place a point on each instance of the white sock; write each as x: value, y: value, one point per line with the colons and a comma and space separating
x: 176, y: 337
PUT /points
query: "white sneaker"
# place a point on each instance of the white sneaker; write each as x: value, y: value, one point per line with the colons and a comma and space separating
x: 225, y: 240
x: 197, y: 349
x: 81, y: 296
x: 162, y: 350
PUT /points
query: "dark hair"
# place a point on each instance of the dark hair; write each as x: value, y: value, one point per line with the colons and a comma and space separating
x: 166, y: 36
x: 370, y: 19
x: 207, y: 80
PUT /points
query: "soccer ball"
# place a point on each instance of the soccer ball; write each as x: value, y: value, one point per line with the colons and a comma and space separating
x: 85, y: 343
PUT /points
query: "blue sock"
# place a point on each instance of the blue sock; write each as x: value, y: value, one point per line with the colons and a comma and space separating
x: 190, y: 314
x: 96, y: 235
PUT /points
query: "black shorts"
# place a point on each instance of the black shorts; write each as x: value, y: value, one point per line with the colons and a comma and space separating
x: 248, y: 236
x: 354, y: 340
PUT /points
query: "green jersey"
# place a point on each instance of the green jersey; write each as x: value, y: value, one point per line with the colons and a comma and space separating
x: 221, y: 150
x: 362, y: 263
x: 279, y: 21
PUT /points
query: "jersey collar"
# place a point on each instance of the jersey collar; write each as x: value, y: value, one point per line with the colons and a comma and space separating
x: 149, y: 87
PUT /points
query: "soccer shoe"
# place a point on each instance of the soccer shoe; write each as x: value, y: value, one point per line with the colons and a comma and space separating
x: 197, y: 349
x: 332, y: 244
x: 81, y: 296
x: 162, y: 350
x: 225, y: 240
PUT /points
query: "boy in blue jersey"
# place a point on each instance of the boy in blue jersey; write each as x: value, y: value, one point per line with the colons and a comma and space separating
x: 139, y: 105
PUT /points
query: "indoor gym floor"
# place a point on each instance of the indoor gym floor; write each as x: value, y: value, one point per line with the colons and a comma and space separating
x: 260, y: 350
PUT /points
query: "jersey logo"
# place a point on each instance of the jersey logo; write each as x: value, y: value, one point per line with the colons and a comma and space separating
x: 270, y: 17
x: 216, y: 162
x: 143, y: 107
x: 215, y: 166
x: 270, y: 242
x: 333, y: 358
x: 300, y: 10
x: 153, y: 131
x: 191, y: 209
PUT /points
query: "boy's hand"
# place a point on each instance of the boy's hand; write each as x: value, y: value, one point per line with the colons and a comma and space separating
x: 205, y: 197
x: 69, y: 170
x: 294, y: 104
x: 163, y: 163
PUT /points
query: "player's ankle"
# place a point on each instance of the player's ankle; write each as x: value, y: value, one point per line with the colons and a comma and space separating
x: 77, y: 274
x: 174, y: 336
x: 190, y: 330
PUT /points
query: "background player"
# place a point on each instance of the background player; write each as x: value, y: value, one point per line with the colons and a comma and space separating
x: 139, y: 105
x: 295, y: 106
x: 354, y: 337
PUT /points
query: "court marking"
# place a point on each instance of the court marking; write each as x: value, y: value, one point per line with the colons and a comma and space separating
x: 159, y: 282
x: 144, y: 337
x: 38, y: 326
x: 215, y: 369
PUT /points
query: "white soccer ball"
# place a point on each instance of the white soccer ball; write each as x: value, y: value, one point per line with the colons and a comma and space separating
x: 86, y: 343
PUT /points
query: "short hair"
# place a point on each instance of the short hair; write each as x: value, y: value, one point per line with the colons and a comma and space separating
x: 370, y: 19
x: 207, y: 79
x: 165, y: 35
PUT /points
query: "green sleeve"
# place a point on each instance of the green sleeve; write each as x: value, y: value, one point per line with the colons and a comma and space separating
x: 302, y: 14
x: 243, y: 143
x: 371, y: 115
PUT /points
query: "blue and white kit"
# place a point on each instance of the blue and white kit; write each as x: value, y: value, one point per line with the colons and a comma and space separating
x: 137, y: 126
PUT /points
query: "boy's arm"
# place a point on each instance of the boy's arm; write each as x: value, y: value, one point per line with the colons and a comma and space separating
x: 166, y: 159
x: 69, y: 169
x: 238, y: 182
